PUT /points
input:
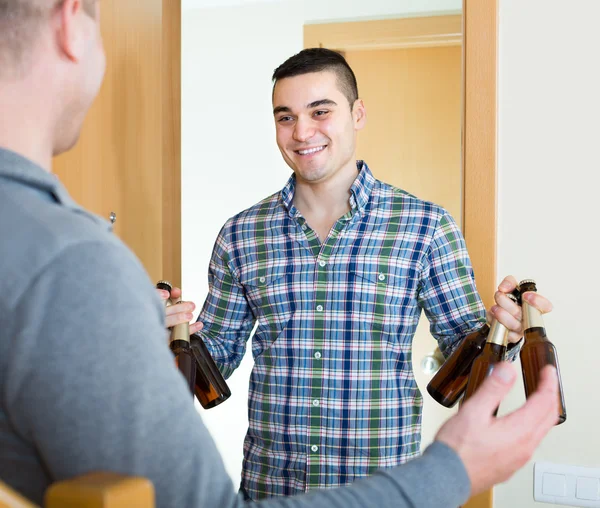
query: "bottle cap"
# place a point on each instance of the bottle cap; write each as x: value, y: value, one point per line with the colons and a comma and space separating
x: 526, y: 281
x: 512, y: 297
x: 516, y: 294
x: 164, y: 284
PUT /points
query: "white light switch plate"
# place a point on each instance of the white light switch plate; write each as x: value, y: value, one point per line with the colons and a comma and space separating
x: 567, y: 485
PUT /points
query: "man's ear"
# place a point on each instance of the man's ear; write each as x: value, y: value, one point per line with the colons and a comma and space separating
x: 359, y: 114
x: 70, y: 30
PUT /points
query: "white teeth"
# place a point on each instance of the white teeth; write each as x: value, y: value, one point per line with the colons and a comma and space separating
x: 311, y: 150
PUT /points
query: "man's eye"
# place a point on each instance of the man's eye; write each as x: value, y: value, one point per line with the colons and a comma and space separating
x: 283, y: 119
x: 321, y: 112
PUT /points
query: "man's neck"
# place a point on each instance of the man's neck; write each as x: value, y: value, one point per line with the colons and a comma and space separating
x: 323, y: 204
x: 24, y: 129
x: 329, y: 198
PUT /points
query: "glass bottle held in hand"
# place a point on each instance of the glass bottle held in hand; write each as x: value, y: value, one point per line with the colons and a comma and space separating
x: 211, y: 388
x: 206, y: 381
x: 538, y: 351
x: 449, y: 383
x: 493, y: 352
x: 180, y: 342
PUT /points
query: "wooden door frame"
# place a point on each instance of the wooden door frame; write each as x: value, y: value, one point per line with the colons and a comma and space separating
x: 476, y: 30
x: 171, y: 156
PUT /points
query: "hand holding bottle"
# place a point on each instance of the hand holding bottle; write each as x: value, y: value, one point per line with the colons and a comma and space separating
x: 509, y: 313
x: 181, y: 313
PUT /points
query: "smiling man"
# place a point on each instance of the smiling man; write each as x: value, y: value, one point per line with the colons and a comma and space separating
x: 335, y: 269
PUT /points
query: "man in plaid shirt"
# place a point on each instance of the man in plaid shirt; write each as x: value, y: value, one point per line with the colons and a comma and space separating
x: 335, y: 270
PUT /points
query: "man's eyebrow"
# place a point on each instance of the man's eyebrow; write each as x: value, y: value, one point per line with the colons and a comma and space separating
x: 314, y: 104
x: 281, y: 109
x: 321, y: 102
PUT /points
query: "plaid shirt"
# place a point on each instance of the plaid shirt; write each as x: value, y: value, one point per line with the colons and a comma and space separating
x: 332, y: 392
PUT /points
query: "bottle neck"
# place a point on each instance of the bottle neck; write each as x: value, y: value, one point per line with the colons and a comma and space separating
x: 180, y: 331
x: 532, y: 318
x: 498, y: 334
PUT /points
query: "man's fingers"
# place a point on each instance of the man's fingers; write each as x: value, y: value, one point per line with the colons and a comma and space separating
x: 175, y: 293
x: 196, y: 327
x: 178, y: 318
x: 508, y: 305
x: 508, y: 284
x: 491, y: 392
x: 180, y: 307
x: 538, y: 301
x: 512, y: 323
x: 164, y: 295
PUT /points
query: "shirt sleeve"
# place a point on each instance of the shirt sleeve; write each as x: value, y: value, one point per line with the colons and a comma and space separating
x: 226, y: 315
x: 448, y: 294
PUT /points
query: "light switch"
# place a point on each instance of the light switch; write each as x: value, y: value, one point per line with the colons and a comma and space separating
x: 554, y: 485
x: 564, y: 484
x: 588, y: 488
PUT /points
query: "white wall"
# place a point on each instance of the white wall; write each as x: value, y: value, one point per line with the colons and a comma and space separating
x: 229, y: 157
x: 549, y: 107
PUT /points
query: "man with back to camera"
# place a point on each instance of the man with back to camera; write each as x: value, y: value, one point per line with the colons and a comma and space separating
x: 335, y: 270
x: 87, y: 382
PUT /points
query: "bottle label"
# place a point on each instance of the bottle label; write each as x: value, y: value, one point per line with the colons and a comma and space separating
x: 532, y: 318
x: 498, y: 334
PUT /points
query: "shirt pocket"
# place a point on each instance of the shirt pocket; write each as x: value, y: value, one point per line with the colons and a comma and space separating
x: 269, y: 293
x: 385, y: 296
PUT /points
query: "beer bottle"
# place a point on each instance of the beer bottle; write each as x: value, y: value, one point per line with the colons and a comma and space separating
x: 180, y: 343
x: 493, y: 352
x: 449, y: 383
x: 211, y: 388
x: 207, y: 382
x: 538, y: 351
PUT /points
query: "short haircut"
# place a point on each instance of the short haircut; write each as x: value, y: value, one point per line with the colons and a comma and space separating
x: 319, y: 60
x: 20, y: 23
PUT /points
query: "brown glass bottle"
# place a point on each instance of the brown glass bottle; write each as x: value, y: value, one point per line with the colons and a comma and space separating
x: 211, y: 388
x: 538, y: 351
x: 493, y: 352
x: 449, y: 383
x: 180, y: 343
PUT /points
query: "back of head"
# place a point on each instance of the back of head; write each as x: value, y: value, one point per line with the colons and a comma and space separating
x: 320, y: 60
x: 21, y: 22
x: 51, y: 56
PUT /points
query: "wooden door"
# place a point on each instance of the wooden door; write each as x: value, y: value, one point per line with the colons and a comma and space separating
x: 413, y: 134
x: 128, y: 158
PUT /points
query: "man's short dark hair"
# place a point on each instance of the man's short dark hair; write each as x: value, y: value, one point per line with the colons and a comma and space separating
x: 319, y: 60
x: 20, y: 22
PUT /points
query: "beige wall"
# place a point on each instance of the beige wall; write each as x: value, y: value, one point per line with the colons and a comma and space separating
x: 549, y: 161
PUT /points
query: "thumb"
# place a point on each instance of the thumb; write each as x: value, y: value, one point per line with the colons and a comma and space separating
x: 175, y: 293
x: 491, y: 392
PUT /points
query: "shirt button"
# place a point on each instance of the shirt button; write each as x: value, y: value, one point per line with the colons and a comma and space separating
x: 320, y: 308
x: 317, y: 355
x: 303, y: 227
x: 322, y: 263
x: 315, y: 403
x: 262, y: 280
x: 314, y: 448
x: 381, y: 276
